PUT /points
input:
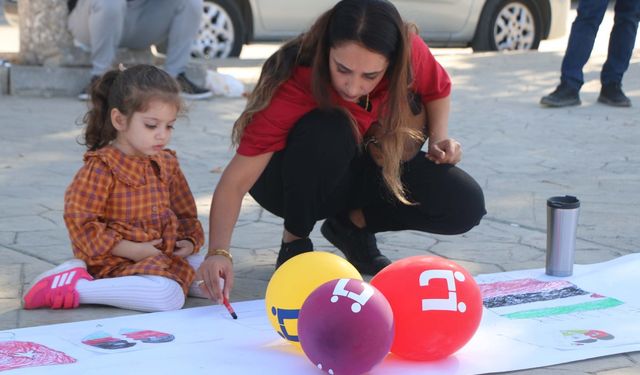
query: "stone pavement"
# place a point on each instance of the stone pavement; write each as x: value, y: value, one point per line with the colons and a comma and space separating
x: 519, y: 152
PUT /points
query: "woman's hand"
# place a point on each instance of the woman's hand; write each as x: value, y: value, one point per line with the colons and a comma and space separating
x: 212, y: 271
x: 238, y: 177
x: 446, y: 151
x: 183, y: 248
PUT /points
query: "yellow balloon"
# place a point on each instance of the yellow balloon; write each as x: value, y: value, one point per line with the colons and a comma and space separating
x: 292, y: 283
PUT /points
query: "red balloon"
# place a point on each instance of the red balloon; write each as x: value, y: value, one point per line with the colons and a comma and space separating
x: 436, y: 305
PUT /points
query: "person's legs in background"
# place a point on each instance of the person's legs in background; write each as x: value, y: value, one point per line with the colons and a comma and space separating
x: 97, y: 25
x: 581, y: 40
x: 182, y: 31
x: 579, y: 47
x: 179, y: 27
x: 621, y: 43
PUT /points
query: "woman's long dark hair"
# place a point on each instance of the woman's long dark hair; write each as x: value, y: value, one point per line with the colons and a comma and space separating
x: 129, y: 90
x: 377, y: 26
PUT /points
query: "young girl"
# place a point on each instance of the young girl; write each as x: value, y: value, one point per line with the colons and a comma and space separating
x: 130, y: 214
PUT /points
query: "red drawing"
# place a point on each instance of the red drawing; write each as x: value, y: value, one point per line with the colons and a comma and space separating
x: 147, y: 336
x: 18, y: 354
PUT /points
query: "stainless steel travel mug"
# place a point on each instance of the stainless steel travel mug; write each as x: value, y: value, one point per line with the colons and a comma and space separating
x: 562, y: 222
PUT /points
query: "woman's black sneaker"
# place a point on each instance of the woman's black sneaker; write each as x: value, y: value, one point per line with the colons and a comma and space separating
x: 358, y: 245
x: 290, y: 249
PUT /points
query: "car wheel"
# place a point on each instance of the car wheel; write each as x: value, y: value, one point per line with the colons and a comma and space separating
x: 221, y: 31
x: 508, y: 25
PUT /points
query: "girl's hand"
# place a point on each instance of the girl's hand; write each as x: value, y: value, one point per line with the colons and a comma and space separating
x: 136, y: 251
x: 146, y: 249
x: 446, y: 151
x: 183, y: 249
x: 215, y: 270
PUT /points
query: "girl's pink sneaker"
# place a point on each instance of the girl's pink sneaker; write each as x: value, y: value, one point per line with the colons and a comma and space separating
x: 56, y: 288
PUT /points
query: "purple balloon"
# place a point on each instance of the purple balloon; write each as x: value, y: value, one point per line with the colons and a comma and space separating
x: 345, y: 327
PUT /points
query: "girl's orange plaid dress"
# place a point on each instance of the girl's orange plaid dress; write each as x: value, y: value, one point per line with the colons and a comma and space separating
x: 115, y: 196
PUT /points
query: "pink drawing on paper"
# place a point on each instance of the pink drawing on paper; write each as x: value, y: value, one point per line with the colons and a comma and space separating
x: 19, y: 354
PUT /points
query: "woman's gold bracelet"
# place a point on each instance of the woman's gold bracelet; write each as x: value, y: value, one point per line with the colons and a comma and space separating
x: 224, y: 252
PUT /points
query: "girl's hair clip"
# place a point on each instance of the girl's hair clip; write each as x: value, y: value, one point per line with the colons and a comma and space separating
x: 121, y: 67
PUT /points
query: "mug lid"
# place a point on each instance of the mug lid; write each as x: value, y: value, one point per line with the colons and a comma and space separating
x: 566, y: 202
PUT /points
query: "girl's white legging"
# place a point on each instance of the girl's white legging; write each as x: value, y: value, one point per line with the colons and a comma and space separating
x: 140, y: 292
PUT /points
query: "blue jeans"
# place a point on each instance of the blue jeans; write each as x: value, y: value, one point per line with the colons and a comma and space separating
x: 583, y: 35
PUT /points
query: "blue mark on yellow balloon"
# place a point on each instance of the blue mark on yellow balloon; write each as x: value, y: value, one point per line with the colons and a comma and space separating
x: 284, y: 315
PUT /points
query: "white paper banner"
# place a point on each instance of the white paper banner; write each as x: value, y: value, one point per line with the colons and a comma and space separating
x: 530, y: 320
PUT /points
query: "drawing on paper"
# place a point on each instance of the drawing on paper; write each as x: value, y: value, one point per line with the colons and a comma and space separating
x: 536, y: 299
x: 19, y: 354
x: 104, y: 340
x: 147, y: 336
x: 126, y: 339
x: 579, y: 337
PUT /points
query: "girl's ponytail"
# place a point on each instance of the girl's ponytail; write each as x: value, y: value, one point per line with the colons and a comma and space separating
x: 99, y: 130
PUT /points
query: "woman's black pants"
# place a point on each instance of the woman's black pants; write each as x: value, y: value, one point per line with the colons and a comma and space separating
x: 322, y: 173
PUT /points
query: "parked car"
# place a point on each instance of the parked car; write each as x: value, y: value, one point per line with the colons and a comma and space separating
x: 484, y: 25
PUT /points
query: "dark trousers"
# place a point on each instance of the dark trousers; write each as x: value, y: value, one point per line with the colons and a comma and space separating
x: 583, y: 35
x: 322, y: 173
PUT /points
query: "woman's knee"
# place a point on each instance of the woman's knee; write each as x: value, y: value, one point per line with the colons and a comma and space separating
x: 472, y: 211
x: 469, y: 206
x: 446, y: 193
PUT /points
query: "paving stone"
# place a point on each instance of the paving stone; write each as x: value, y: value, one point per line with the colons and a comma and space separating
x: 596, y: 365
x: 408, y: 240
x: 487, y: 252
x: 10, y: 282
x: 633, y: 357
x: 39, y: 317
x: 7, y: 238
x: 25, y: 223
x: 620, y: 371
x: 10, y: 256
x: 51, y: 253
x: 43, y: 238
x: 10, y: 309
